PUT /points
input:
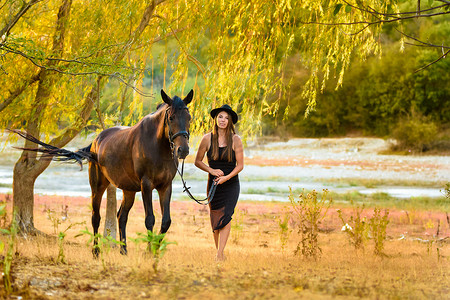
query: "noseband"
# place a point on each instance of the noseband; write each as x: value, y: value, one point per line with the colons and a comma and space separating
x: 172, y: 137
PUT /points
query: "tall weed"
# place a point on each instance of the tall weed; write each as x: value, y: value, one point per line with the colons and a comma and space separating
x: 283, y: 223
x: 237, y: 226
x: 61, y: 236
x: 356, y: 227
x: 310, y: 210
x: 102, y: 244
x: 378, y: 225
x: 7, y: 260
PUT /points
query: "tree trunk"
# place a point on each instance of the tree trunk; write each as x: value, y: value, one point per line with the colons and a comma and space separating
x: 26, y: 171
x: 111, y: 210
x: 28, y: 167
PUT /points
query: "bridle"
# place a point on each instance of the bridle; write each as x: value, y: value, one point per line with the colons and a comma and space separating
x: 185, y: 134
x: 172, y: 137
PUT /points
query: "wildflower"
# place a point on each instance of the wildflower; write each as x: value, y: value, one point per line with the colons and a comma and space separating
x: 346, y: 227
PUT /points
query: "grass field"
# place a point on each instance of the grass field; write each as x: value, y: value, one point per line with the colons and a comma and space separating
x: 258, y: 265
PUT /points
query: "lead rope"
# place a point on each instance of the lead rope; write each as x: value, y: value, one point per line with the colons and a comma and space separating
x: 212, y: 190
x: 211, y: 193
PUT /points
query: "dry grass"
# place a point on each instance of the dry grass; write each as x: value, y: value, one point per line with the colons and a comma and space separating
x: 256, y: 267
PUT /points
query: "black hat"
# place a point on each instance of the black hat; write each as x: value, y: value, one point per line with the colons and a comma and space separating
x: 228, y: 109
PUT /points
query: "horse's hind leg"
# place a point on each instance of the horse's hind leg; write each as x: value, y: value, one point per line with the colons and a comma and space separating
x: 122, y: 216
x: 98, y: 183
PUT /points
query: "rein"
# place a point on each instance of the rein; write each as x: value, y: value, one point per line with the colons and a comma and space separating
x: 208, y: 198
x: 172, y: 137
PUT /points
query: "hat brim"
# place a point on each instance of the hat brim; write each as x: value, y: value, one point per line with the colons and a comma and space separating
x: 234, y: 116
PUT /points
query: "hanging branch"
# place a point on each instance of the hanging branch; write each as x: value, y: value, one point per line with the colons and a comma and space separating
x: 4, y: 32
x: 115, y: 75
x: 382, y: 18
x: 433, y: 62
x: 198, y: 64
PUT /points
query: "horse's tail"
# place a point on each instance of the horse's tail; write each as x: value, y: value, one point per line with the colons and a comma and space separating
x: 55, y: 153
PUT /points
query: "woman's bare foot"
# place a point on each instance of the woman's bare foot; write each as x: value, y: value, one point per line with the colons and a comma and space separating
x: 220, y: 257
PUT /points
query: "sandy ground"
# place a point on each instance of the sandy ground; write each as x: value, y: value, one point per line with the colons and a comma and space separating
x: 415, y: 265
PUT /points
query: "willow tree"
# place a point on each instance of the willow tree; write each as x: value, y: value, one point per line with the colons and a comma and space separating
x: 57, y: 56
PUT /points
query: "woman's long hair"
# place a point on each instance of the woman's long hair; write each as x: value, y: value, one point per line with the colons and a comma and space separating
x: 229, y: 133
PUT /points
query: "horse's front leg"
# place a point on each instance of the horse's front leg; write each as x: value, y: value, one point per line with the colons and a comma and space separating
x: 122, y: 216
x: 146, y: 190
x: 164, y: 200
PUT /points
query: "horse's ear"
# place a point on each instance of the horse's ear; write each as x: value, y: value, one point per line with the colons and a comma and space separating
x: 166, y: 98
x: 189, y: 97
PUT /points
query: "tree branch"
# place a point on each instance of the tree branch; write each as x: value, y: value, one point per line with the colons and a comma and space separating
x: 423, y: 44
x: 115, y: 75
x: 4, y: 32
x: 375, y: 12
x: 13, y: 95
x: 433, y: 62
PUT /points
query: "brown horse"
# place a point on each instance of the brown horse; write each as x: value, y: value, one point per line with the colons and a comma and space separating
x: 138, y: 158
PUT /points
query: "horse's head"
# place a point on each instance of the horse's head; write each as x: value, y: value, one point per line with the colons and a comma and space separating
x: 178, y: 120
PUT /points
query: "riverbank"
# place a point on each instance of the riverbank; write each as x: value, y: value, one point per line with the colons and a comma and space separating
x: 347, y: 167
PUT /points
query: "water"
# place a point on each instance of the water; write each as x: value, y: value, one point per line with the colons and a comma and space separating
x: 257, y: 182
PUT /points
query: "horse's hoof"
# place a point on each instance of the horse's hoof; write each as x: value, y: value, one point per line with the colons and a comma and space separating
x: 95, y: 252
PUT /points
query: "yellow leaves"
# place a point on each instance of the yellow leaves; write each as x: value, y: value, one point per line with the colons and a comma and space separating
x: 402, y: 44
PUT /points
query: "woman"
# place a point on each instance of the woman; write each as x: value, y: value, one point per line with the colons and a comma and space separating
x: 223, y: 148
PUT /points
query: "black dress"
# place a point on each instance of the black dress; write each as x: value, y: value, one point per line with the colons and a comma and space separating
x: 225, y: 199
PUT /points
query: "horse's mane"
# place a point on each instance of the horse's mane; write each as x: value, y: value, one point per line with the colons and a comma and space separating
x: 160, y: 105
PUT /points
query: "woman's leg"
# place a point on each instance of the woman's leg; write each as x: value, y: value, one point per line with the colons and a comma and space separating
x: 223, y: 235
x: 216, y: 238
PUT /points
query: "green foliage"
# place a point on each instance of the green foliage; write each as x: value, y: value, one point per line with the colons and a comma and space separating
x: 283, y: 223
x: 8, y: 258
x: 356, y: 227
x: 102, y: 244
x: 237, y: 225
x: 61, y: 236
x: 156, y: 245
x: 309, y: 211
x: 378, y: 225
x: 377, y: 94
x: 414, y: 133
x: 61, y: 257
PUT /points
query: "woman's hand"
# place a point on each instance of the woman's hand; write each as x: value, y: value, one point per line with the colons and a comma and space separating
x: 216, y: 172
x: 221, y: 179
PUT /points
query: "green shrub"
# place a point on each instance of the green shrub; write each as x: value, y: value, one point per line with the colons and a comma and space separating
x: 355, y: 227
x: 310, y: 210
x: 415, y: 133
x: 378, y: 225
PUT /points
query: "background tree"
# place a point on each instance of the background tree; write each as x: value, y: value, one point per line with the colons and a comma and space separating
x: 383, y: 89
